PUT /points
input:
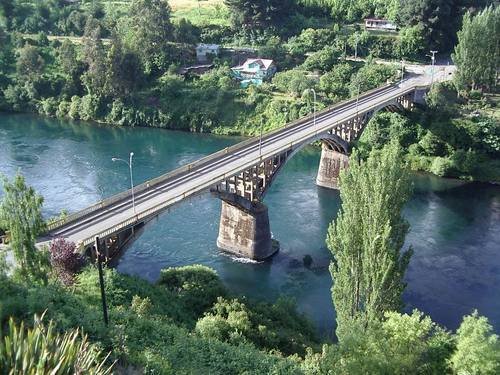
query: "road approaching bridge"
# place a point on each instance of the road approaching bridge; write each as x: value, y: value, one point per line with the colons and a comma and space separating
x: 240, y: 175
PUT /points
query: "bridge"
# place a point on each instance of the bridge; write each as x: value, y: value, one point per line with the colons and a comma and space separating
x: 240, y: 176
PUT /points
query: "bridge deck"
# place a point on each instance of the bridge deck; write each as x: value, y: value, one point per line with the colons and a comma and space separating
x: 116, y: 213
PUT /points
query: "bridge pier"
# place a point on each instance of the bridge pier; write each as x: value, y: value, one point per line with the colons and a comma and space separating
x: 330, y: 165
x: 244, y: 230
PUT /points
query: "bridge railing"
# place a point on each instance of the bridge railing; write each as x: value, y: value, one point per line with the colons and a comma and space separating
x: 152, y: 211
x: 200, y: 162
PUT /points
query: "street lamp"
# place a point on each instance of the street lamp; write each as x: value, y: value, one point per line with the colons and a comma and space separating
x: 260, y: 139
x: 357, y: 98
x: 433, y: 59
x: 314, y: 108
x: 402, y: 70
x: 129, y: 163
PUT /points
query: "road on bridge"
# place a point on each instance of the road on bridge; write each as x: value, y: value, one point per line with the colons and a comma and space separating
x: 107, y: 218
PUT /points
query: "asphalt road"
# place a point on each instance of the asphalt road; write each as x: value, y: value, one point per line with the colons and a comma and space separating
x: 205, y: 175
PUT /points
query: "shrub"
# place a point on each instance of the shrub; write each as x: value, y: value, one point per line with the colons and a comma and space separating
x: 74, y: 108
x: 63, y: 109
x: 441, y: 166
x: 65, y: 260
x: 49, y: 106
x: 198, y: 286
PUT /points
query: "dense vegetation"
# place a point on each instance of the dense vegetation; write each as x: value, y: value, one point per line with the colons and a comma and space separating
x: 452, y: 137
x: 118, y: 63
x: 121, y: 66
x: 189, y: 323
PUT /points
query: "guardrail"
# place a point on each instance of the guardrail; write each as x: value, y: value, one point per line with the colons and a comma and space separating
x: 153, y: 211
x: 200, y: 162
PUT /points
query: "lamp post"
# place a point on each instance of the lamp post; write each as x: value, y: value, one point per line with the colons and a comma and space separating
x: 357, y: 98
x: 260, y: 139
x: 100, y: 256
x: 129, y: 163
x: 314, y: 108
x: 433, y: 59
x: 402, y: 70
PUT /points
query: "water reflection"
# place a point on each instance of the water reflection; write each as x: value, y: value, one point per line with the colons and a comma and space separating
x: 455, y: 226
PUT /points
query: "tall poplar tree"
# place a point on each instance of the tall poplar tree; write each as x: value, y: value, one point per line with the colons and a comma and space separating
x: 477, y: 54
x: 367, y: 237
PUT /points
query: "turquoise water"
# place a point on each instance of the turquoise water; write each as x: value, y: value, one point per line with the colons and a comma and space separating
x: 455, y: 226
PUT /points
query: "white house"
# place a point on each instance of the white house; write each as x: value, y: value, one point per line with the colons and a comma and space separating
x: 380, y: 24
x: 203, y: 51
x: 255, y: 70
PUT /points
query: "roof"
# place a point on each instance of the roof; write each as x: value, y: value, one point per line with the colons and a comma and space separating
x: 378, y: 20
x: 264, y: 63
x: 207, y: 46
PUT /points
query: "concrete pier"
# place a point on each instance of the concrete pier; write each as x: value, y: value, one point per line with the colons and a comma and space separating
x: 245, y: 232
x: 330, y: 165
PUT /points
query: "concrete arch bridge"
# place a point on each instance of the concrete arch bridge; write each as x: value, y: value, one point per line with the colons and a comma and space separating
x: 240, y: 176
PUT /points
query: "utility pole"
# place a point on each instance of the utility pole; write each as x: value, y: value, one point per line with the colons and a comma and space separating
x: 99, y: 253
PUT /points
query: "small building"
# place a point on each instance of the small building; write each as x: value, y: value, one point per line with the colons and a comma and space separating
x: 254, y: 71
x: 205, y: 51
x: 380, y: 24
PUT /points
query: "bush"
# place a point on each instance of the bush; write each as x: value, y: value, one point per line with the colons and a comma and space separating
x: 63, y: 109
x: 293, y: 81
x: 65, y: 260
x: 323, y: 60
x: 441, y: 166
x: 198, y: 286
x: 48, y: 106
x: 269, y: 327
x: 432, y: 145
x: 74, y: 108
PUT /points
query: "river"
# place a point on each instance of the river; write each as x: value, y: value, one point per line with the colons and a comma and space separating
x: 455, y: 226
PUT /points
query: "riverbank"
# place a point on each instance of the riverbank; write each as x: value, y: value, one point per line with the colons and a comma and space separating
x: 453, y: 223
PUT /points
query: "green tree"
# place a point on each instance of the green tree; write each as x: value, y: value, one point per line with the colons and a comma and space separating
x: 399, y: 344
x: 95, y: 78
x: 370, y: 76
x: 67, y: 57
x: 293, y: 81
x: 367, y: 237
x: 21, y: 213
x: 478, y: 348
x: 411, y: 41
x: 334, y: 83
x: 124, y: 70
x: 477, y: 53
x: 323, y: 60
x: 259, y: 14
x: 29, y: 63
x: 152, y: 31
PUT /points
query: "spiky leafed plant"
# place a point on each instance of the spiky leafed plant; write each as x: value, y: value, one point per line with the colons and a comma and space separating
x: 41, y: 350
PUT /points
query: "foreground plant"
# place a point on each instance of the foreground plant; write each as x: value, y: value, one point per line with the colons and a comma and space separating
x: 41, y: 350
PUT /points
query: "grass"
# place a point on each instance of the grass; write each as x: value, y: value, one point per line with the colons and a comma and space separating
x: 203, y: 12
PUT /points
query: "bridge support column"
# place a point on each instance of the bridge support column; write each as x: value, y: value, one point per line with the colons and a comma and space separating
x: 245, y: 231
x: 330, y: 165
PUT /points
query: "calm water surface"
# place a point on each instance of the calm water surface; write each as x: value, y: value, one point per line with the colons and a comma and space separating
x: 455, y: 227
